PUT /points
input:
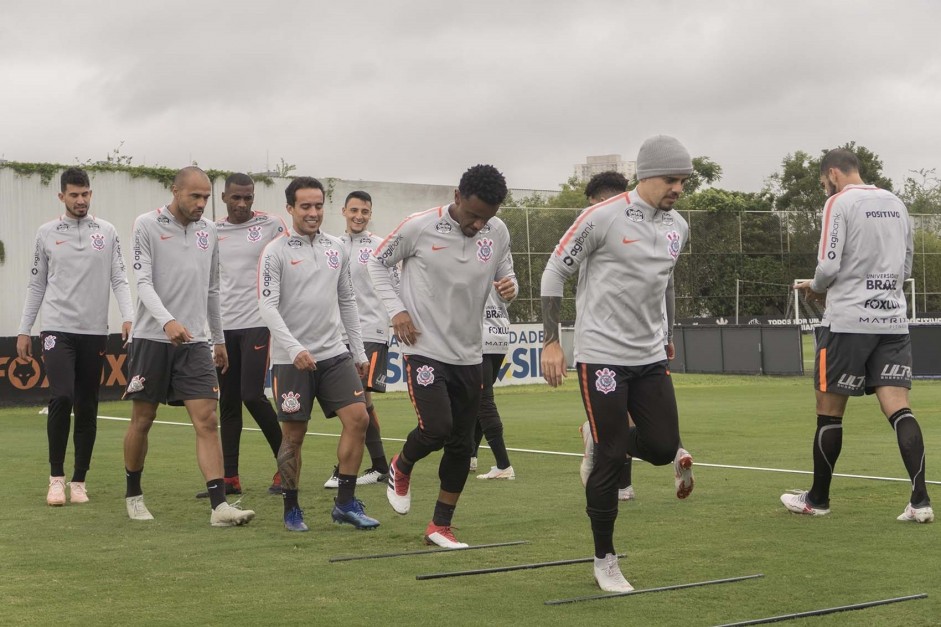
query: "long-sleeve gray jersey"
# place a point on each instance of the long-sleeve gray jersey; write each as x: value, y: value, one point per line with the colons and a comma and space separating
x: 177, y: 270
x: 240, y: 247
x: 627, y: 250
x: 305, y: 296
x: 75, y: 264
x: 373, y: 317
x: 446, y: 277
x: 865, y: 256
x: 496, y: 325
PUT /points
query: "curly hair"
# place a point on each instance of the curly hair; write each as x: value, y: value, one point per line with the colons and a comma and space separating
x: 485, y: 182
x: 609, y: 181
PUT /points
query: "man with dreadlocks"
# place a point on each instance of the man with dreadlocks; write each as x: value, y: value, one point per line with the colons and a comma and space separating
x: 452, y: 257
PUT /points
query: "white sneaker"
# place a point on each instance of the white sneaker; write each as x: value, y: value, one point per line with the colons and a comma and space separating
x: 442, y: 536
x: 334, y: 481
x: 56, y: 494
x: 626, y: 494
x: 230, y: 515
x: 608, y: 575
x: 136, y: 510
x: 399, y: 490
x: 372, y: 476
x: 496, y: 473
x: 796, y: 501
x: 588, y: 461
x: 77, y: 492
x: 683, y: 471
x: 473, y: 465
x: 917, y: 514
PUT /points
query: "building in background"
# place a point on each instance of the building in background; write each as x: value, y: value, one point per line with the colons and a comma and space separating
x: 603, y: 163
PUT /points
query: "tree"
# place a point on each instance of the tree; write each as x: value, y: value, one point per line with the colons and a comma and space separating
x: 922, y: 192
x: 705, y: 172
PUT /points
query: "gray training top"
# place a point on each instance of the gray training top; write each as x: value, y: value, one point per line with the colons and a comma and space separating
x: 177, y: 269
x: 627, y: 250
x: 75, y: 263
x: 373, y: 317
x: 446, y: 277
x: 240, y: 247
x: 305, y: 296
x: 865, y: 256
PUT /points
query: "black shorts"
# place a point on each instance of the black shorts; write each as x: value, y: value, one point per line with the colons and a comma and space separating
x: 377, y: 353
x: 335, y: 384
x: 159, y: 372
x: 446, y: 397
x: 852, y: 363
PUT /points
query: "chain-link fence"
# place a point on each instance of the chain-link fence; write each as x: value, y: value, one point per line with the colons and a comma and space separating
x: 745, y: 260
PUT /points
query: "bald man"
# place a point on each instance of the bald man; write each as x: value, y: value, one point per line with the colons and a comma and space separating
x: 176, y: 265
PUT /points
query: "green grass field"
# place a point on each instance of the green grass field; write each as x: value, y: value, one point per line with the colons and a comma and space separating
x: 89, y: 564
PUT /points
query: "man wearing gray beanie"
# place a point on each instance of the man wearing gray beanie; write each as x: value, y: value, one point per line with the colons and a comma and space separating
x: 633, y: 241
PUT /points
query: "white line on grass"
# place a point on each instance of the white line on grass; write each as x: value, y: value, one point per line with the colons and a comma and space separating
x: 562, y: 453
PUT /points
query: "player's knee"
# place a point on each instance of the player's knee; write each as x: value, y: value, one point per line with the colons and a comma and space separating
x: 661, y: 453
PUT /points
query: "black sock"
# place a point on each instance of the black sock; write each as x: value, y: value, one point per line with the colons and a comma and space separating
x: 290, y: 499
x: 828, y: 442
x: 403, y: 466
x: 912, y: 448
x: 133, y: 482
x: 443, y: 514
x: 216, y: 488
x: 57, y: 470
x: 498, y: 448
x: 380, y: 464
x: 78, y: 475
x: 346, y: 486
x: 624, y: 478
x: 604, y: 543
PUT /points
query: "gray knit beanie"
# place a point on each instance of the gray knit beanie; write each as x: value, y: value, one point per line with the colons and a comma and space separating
x: 662, y: 156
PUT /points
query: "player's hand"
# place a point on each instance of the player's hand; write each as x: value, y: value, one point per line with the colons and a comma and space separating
x: 404, y: 330
x: 506, y: 288
x: 125, y: 333
x: 177, y: 333
x: 304, y: 361
x: 220, y: 357
x: 808, y: 294
x: 553, y: 364
x: 671, y: 350
x: 362, y: 369
x: 24, y: 348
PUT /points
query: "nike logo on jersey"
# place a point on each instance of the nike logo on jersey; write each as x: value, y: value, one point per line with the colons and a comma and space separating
x: 61, y: 241
x: 162, y: 237
x: 629, y: 241
x: 294, y: 262
x: 359, y: 393
x: 258, y: 348
x: 438, y: 247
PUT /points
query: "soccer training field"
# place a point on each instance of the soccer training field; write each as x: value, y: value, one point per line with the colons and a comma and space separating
x: 750, y: 437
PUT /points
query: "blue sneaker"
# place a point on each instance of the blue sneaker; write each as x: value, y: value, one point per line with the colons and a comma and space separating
x: 294, y: 520
x: 353, y: 513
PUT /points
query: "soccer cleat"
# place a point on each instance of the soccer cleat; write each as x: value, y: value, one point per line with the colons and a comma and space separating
x: 294, y: 520
x: 275, y: 487
x: 136, y: 510
x: 797, y: 502
x: 353, y: 513
x: 334, y: 481
x: 683, y: 470
x: 473, y: 464
x: 230, y: 515
x: 626, y: 494
x: 588, y: 461
x: 922, y: 514
x: 56, y: 494
x: 399, y: 491
x: 77, y: 492
x: 372, y: 476
x: 442, y: 536
x: 496, y: 473
x: 608, y: 575
x: 232, y: 486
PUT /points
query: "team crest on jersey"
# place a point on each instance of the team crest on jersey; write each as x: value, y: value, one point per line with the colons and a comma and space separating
x: 364, y: 255
x: 667, y: 219
x: 62, y: 227
x: 254, y: 234
x: 202, y: 240
x: 484, y: 249
x: 333, y: 258
x: 425, y: 376
x: 634, y: 214
x: 290, y: 403
x: 673, y: 244
x: 443, y: 227
x: 97, y: 241
x: 136, y: 384
x: 294, y: 243
x: 49, y: 343
x: 605, y: 381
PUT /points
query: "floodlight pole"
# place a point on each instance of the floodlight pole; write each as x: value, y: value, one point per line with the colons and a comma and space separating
x: 737, y: 281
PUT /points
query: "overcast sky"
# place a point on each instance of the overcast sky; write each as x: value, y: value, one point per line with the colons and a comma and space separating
x: 419, y: 91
